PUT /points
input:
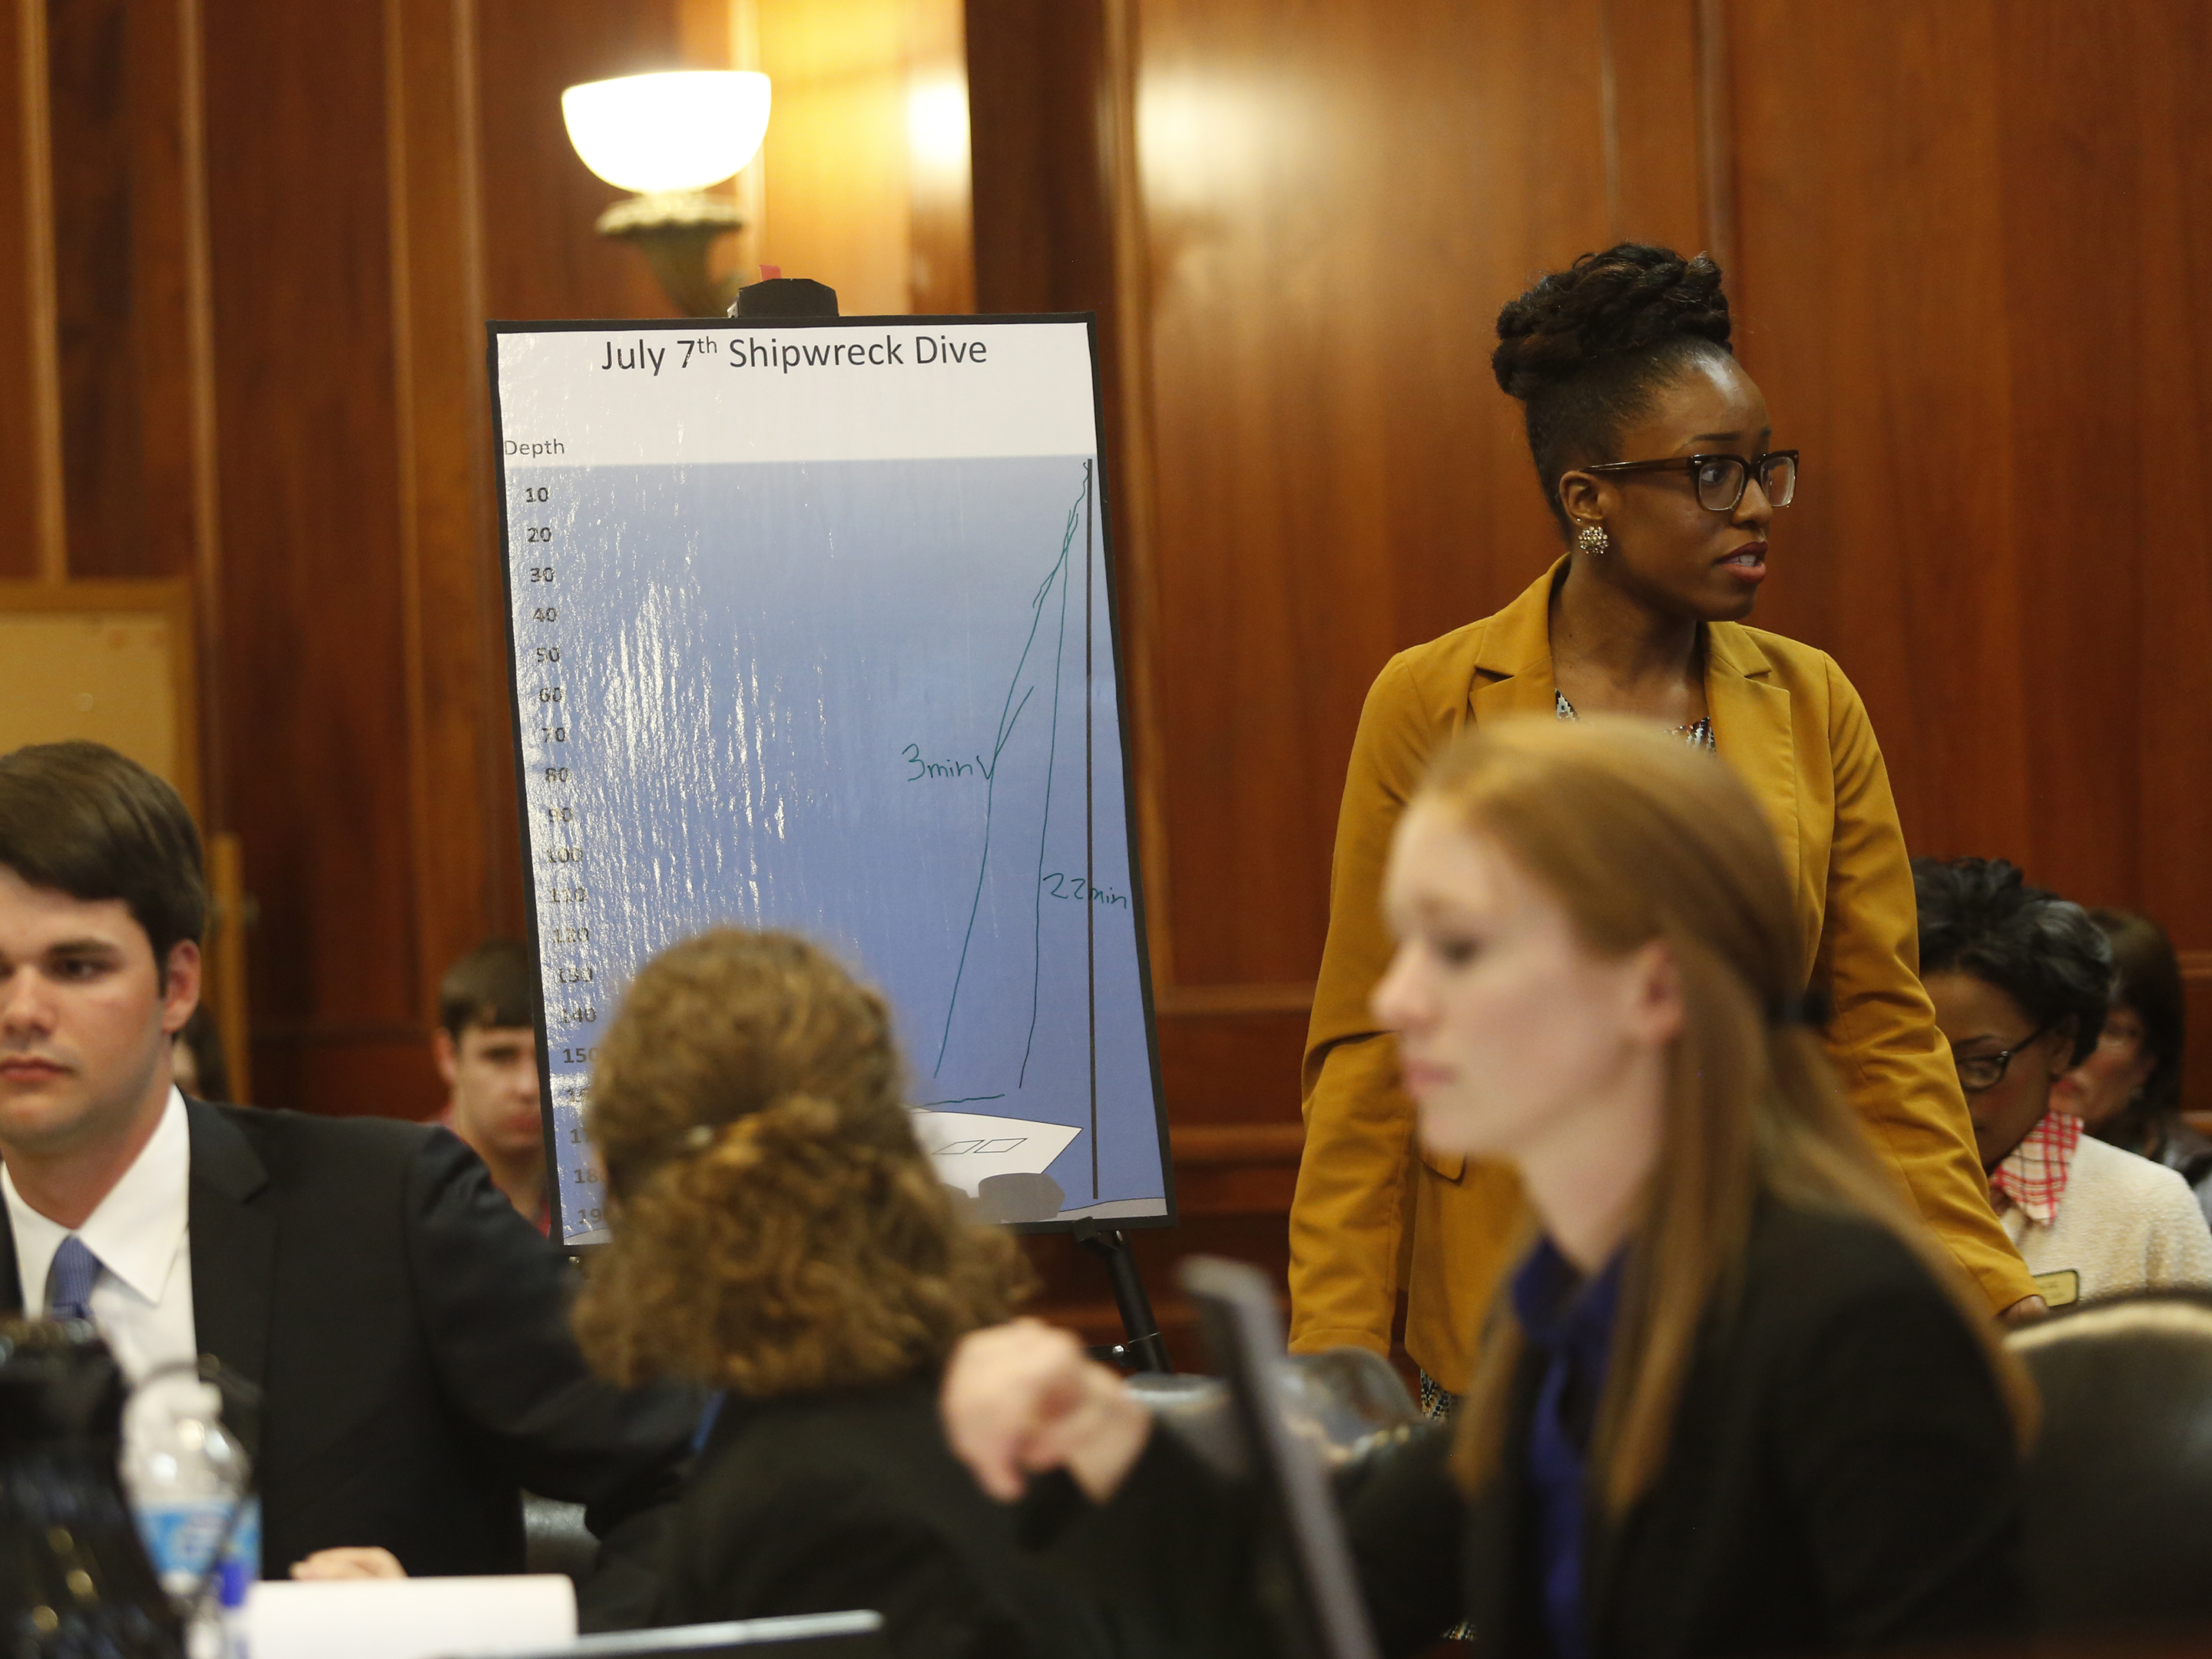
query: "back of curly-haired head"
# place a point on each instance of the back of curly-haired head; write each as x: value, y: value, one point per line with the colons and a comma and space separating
x: 1586, y: 348
x: 776, y: 1227
x: 1979, y: 916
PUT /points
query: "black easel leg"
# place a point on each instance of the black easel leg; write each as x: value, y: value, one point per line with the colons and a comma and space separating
x: 1142, y: 1344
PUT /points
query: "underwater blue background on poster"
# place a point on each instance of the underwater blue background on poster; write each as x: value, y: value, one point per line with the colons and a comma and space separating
x: 873, y: 703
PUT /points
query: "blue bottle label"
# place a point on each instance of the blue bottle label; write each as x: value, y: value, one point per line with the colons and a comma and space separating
x: 241, y: 1557
x: 182, y: 1538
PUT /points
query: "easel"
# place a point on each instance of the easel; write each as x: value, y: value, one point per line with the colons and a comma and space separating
x: 1140, y: 1348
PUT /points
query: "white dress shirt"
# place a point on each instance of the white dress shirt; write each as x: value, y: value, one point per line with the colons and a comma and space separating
x: 141, y: 1233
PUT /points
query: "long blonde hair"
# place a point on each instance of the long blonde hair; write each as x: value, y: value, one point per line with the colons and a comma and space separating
x: 1642, y: 839
x: 776, y: 1226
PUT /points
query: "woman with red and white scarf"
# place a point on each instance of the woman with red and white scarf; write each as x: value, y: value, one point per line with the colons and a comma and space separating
x: 2020, y: 978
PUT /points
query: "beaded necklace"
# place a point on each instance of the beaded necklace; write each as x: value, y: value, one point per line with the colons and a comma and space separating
x: 1699, y: 736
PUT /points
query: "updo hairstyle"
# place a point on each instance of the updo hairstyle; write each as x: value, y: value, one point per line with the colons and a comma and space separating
x: 776, y: 1227
x: 1586, y: 348
x: 1979, y: 916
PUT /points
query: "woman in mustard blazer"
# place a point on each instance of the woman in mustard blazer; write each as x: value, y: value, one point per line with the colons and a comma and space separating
x: 1651, y: 445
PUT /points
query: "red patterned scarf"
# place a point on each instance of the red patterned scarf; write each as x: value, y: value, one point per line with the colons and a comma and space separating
x: 2034, y: 1173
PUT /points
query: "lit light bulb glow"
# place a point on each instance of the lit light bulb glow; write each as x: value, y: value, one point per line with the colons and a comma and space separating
x: 936, y: 123
x: 681, y: 131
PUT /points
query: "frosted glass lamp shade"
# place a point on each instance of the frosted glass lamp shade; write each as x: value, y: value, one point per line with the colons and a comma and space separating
x: 682, y: 131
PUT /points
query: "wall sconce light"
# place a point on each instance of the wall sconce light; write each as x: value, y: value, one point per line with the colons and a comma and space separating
x: 668, y: 137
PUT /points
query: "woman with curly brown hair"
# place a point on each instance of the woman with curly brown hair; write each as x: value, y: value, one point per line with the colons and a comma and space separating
x: 779, y: 1234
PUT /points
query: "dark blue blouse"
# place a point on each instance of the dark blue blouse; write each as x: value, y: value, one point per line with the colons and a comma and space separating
x: 1570, y: 1323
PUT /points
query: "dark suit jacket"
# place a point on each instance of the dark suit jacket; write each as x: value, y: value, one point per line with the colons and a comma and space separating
x: 1842, y: 1477
x: 821, y: 1503
x: 409, y: 1334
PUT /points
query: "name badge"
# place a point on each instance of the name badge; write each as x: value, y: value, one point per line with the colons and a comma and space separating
x: 2059, y: 1289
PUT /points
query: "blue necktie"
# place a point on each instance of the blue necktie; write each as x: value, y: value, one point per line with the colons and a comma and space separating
x: 708, y: 1414
x: 70, y: 1279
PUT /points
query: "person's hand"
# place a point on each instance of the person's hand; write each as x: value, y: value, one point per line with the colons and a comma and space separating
x: 367, y: 1562
x: 2026, y: 1311
x: 1021, y: 1399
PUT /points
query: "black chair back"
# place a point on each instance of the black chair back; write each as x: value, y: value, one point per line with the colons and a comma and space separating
x: 2118, y: 1521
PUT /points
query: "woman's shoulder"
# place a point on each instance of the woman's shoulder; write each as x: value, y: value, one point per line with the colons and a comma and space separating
x: 1438, y: 671
x: 872, y: 1461
x: 850, y: 1498
x: 1822, y: 699
x: 794, y: 1427
x: 2122, y: 1187
x: 1791, y: 662
x: 1819, y: 1262
x: 1832, y: 1299
x: 837, y: 1446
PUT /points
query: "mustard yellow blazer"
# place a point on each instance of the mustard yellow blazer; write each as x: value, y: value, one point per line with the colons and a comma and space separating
x: 1373, y: 1211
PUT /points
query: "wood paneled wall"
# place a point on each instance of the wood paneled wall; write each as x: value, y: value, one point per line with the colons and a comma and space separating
x: 867, y: 150
x: 31, y: 530
x: 1974, y: 244
x: 1963, y: 242
x: 239, y: 340
x: 251, y: 249
x: 1964, y: 279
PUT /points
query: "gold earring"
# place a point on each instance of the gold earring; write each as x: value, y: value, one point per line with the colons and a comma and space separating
x: 1592, y: 540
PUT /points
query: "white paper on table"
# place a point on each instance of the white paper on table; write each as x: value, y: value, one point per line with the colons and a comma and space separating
x: 408, y: 1618
x: 966, y: 1146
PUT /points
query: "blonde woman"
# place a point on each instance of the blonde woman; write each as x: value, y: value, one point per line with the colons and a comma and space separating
x: 779, y: 1237
x: 1733, y: 1399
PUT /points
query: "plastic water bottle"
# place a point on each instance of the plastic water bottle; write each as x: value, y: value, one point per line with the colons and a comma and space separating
x: 188, y: 1482
x: 74, y: 1576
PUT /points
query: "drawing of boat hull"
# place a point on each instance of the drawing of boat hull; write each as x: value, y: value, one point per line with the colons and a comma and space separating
x: 968, y: 1146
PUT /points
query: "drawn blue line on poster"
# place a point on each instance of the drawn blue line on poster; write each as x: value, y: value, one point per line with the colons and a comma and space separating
x: 1056, y: 577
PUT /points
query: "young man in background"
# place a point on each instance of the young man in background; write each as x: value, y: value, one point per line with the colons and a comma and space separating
x: 487, y: 1051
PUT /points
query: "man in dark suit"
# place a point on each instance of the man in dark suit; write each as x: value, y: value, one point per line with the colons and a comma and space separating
x: 406, y: 1329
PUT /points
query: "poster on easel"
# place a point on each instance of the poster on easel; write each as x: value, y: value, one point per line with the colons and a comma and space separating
x: 812, y: 628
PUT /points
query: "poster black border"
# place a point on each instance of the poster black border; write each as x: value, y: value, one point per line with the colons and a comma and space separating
x: 496, y: 328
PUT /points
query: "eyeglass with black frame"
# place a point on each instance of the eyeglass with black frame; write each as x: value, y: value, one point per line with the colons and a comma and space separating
x: 1722, y: 479
x: 1979, y: 1073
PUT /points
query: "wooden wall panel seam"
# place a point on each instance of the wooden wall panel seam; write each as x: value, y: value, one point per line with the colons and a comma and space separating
x: 1198, y: 1001
x: 500, y: 856
x: 207, y: 501
x: 1608, y: 82
x: 49, y: 524
x: 1716, y: 141
x: 1138, y: 595
x: 399, y: 205
x: 1237, y: 1143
